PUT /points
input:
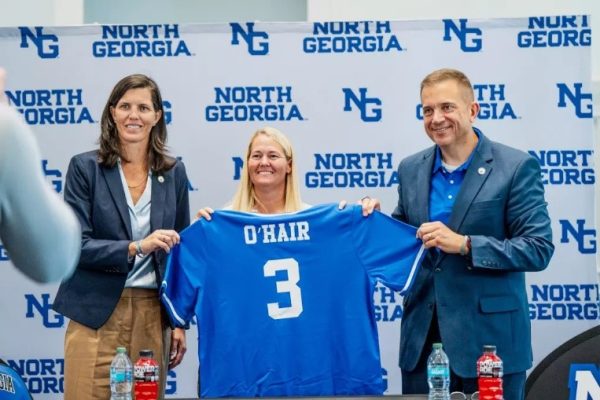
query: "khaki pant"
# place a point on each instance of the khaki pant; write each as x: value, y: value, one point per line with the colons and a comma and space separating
x: 137, y: 323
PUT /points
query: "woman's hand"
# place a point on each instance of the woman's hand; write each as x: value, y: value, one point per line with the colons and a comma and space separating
x: 178, y: 347
x: 205, y: 213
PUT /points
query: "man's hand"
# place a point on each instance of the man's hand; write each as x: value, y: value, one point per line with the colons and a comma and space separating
x: 436, y: 234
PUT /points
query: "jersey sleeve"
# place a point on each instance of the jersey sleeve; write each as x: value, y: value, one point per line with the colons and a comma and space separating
x: 387, y: 248
x: 184, y: 277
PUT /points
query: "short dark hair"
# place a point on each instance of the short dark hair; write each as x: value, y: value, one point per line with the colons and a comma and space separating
x: 110, y: 148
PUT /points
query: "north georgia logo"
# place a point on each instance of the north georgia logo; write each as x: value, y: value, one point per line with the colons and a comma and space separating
x: 367, y: 114
x: 564, y: 301
x: 470, y: 38
x: 351, y: 37
x: 158, y: 40
x: 584, y: 382
x: 352, y: 170
x: 46, y: 44
x: 581, y: 101
x: 50, y: 106
x: 54, y: 176
x: 556, y: 31
x: 566, y: 167
x: 40, y: 375
x: 256, y: 41
x: 585, y: 237
x: 50, y: 318
x: 253, y: 103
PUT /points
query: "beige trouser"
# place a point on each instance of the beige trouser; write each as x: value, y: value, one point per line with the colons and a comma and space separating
x: 136, y: 323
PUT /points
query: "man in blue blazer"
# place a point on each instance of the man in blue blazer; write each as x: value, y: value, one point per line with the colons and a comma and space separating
x: 481, y: 211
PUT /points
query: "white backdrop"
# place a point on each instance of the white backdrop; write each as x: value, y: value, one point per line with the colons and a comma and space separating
x: 347, y: 95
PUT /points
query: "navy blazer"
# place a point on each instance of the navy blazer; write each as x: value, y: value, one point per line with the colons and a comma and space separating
x: 96, y: 195
x: 480, y: 299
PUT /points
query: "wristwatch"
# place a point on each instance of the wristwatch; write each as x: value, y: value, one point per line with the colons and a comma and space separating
x: 138, y: 249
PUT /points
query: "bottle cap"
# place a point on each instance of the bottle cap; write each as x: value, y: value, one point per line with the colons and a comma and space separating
x: 437, y: 345
x: 489, y: 347
x: 146, y: 353
x: 121, y: 349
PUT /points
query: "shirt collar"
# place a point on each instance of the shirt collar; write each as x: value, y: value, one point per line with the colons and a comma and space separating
x: 437, y: 164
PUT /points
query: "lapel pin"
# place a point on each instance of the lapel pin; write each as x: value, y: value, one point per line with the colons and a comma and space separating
x: 161, y: 179
x: 481, y: 171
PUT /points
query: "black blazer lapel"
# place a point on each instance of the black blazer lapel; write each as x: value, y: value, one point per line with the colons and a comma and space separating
x: 160, y: 182
x: 115, y: 188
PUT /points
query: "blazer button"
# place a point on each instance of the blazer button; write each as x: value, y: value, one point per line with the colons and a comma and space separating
x: 438, y: 270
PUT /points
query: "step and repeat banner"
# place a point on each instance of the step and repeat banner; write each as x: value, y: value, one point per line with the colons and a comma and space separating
x: 347, y: 95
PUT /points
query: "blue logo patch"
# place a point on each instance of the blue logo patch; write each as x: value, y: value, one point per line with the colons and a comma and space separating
x: 46, y: 44
x: 257, y: 41
x: 367, y: 114
x: 470, y: 38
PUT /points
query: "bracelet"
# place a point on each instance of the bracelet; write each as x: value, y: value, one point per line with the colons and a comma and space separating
x: 138, y: 249
x: 465, y: 246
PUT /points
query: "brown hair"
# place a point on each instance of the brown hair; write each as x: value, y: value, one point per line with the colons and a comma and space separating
x: 446, y: 74
x: 110, y: 147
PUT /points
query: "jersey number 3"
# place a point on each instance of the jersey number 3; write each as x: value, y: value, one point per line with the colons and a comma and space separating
x: 290, y: 286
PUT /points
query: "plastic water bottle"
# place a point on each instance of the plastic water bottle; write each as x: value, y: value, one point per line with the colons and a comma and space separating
x: 438, y: 374
x: 489, y: 375
x: 146, y: 374
x: 121, y: 377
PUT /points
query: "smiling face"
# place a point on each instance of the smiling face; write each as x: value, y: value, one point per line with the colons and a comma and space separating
x: 135, y: 116
x: 448, y: 112
x: 268, y: 166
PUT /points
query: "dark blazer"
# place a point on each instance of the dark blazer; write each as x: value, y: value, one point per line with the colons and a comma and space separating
x: 480, y: 299
x: 96, y: 195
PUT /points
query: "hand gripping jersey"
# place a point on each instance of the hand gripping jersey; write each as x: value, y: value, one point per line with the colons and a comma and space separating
x: 284, y: 302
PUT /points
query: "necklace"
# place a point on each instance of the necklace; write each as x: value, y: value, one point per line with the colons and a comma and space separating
x: 138, y: 185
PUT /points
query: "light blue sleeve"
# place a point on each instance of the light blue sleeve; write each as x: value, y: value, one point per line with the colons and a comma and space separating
x: 40, y: 231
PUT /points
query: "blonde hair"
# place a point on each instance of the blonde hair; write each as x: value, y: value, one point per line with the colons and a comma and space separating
x: 245, y: 197
x: 448, y: 74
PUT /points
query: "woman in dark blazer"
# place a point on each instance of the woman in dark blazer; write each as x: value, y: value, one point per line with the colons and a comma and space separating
x: 131, y: 199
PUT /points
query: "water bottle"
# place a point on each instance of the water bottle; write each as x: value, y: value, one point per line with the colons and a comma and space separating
x: 146, y: 374
x: 121, y: 378
x: 438, y: 374
x: 489, y: 375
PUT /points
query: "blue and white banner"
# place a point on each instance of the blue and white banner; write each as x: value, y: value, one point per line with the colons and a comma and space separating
x: 347, y: 95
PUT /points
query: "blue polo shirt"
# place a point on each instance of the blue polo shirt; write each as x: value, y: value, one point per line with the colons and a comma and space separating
x: 445, y: 185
